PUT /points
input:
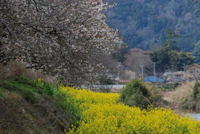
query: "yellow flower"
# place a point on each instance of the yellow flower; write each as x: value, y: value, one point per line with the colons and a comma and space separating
x: 102, y: 113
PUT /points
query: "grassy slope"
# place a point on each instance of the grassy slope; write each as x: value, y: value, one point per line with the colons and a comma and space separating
x: 176, y: 97
x: 29, y: 107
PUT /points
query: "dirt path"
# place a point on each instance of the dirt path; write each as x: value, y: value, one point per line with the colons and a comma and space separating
x: 175, y: 97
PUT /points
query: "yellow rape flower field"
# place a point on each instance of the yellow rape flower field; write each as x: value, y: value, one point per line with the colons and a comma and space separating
x: 102, y: 113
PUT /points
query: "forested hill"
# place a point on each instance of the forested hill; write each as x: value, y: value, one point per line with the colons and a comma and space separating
x: 143, y: 23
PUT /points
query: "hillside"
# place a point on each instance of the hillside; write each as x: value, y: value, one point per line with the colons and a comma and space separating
x: 176, y: 97
x: 32, y: 107
x: 143, y: 23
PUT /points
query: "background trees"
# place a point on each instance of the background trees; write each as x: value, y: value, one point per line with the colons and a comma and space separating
x: 142, y: 23
x: 61, y: 37
x: 169, y: 57
x: 196, y: 51
x: 136, y: 60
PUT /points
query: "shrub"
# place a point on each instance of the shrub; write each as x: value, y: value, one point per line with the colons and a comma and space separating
x: 135, y: 93
x: 13, y: 69
x: 196, y: 90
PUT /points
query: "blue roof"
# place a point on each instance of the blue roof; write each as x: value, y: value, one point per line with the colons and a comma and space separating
x: 153, y: 79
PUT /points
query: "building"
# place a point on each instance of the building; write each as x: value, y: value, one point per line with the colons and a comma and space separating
x: 193, y: 71
x: 174, y: 77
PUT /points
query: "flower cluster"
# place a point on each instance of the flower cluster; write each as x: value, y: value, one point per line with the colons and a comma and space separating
x: 101, y: 113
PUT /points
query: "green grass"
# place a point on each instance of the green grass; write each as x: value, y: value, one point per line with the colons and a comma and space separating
x: 22, y: 84
x: 30, y: 89
x: 37, y: 95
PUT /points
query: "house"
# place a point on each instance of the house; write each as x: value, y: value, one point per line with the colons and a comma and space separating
x: 174, y: 77
x: 193, y: 71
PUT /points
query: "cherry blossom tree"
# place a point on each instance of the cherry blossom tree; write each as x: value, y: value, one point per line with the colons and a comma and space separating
x: 64, y: 38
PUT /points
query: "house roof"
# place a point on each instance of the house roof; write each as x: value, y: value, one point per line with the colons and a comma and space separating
x: 153, y: 79
x: 173, y: 73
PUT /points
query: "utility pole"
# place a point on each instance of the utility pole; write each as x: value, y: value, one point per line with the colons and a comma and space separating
x: 142, y: 69
x: 184, y: 67
x: 154, y: 68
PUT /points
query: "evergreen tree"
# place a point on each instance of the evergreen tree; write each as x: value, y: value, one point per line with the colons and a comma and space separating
x: 196, y: 90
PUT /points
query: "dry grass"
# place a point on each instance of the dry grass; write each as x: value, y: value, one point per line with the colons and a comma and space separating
x: 13, y: 69
x: 116, y: 90
x: 175, y: 97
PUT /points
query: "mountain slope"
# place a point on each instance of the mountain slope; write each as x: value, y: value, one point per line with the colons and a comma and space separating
x: 143, y: 23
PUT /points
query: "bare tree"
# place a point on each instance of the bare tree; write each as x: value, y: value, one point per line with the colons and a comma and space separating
x: 61, y: 37
x: 139, y: 62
